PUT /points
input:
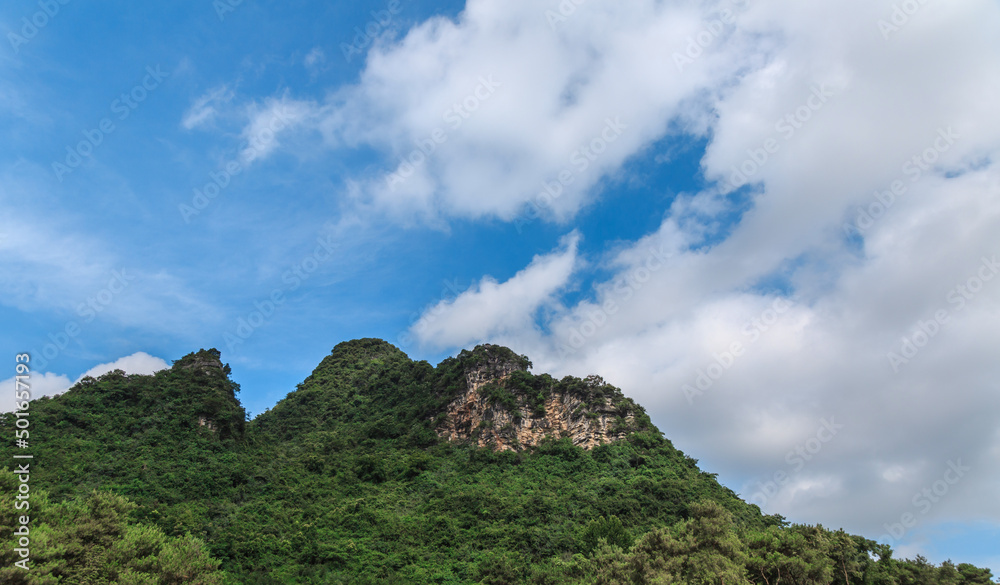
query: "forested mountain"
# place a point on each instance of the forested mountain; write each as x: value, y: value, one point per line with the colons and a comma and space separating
x: 379, y: 469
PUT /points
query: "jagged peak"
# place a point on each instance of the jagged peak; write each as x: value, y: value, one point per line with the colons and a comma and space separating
x: 507, y: 408
x: 487, y: 362
x: 208, y: 361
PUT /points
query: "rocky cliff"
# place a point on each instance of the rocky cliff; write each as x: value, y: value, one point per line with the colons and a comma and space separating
x: 507, y: 408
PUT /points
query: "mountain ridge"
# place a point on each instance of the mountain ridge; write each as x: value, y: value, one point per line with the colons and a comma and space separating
x: 350, y: 479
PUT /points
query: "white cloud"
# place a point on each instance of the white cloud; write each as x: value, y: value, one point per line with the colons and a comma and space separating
x: 267, y: 122
x: 137, y: 363
x: 476, y: 116
x: 492, y: 308
x: 50, y: 266
x: 861, y: 106
x: 314, y: 59
x: 204, y: 109
x: 49, y: 384
x: 57, y: 263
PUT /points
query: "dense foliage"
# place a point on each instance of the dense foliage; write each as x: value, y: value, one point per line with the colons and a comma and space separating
x: 160, y: 479
x: 93, y: 540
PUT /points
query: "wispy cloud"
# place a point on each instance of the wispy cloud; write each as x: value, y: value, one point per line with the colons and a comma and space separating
x: 314, y: 59
x: 270, y: 120
x: 204, y: 109
x: 53, y: 263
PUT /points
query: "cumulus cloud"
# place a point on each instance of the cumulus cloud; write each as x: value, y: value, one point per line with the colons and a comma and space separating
x: 139, y: 362
x: 859, y: 158
x: 493, y: 308
x: 506, y: 109
x: 819, y: 312
x: 49, y: 384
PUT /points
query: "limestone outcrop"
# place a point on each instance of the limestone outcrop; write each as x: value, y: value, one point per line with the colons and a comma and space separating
x: 505, y: 407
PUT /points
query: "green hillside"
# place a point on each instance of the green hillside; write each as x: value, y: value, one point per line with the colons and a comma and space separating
x: 161, y: 479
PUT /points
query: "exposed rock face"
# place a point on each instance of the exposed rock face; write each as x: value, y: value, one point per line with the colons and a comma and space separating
x: 206, y: 361
x: 211, y: 395
x: 589, y: 411
x: 206, y: 422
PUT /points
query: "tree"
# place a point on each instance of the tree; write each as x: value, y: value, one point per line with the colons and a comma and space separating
x: 766, y: 563
x: 918, y: 572
x: 610, y: 530
x: 947, y: 574
x: 972, y: 575
x: 846, y: 558
x: 703, y: 550
x: 92, y: 541
x: 804, y: 555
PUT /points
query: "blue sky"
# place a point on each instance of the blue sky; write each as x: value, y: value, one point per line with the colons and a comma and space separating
x: 773, y: 225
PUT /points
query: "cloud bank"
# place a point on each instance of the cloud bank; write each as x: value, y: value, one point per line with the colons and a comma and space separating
x: 49, y: 384
x: 835, y: 349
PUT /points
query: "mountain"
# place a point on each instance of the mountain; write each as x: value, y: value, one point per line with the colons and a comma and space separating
x: 503, y: 407
x: 381, y: 469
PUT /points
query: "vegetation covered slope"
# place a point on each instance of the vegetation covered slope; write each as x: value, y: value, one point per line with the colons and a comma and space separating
x: 347, y: 481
